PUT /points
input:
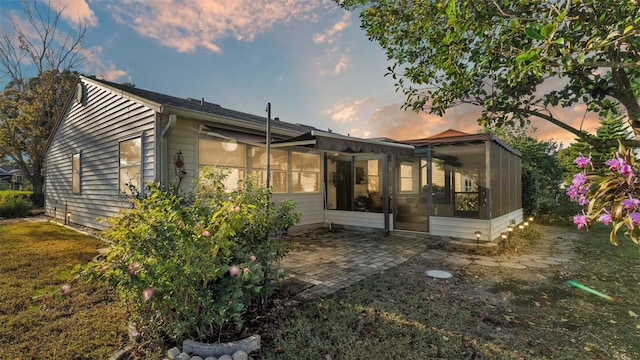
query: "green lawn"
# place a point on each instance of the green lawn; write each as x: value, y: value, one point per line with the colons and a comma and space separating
x: 36, y: 320
x: 482, y: 313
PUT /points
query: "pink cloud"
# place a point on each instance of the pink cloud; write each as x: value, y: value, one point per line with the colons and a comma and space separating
x: 186, y: 26
x: 334, y: 32
x: 374, y: 118
x: 75, y: 12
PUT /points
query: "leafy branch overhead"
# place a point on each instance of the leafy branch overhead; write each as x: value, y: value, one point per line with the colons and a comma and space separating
x: 496, y: 54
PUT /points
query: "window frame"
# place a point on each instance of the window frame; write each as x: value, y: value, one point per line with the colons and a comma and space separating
x: 304, y: 172
x: 260, y: 169
x: 76, y: 173
x: 138, y: 165
x: 242, y: 171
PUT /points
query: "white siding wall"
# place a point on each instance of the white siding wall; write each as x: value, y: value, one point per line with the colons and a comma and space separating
x: 183, y: 137
x: 311, y: 205
x: 358, y: 219
x: 95, y: 130
x: 464, y: 228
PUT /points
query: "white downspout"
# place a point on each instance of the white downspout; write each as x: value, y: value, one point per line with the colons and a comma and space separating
x: 164, y: 169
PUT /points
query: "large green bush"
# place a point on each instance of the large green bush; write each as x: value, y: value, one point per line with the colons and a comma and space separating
x: 15, y: 205
x: 187, y: 264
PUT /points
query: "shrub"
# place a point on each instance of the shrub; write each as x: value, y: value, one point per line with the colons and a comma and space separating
x: 186, y: 264
x: 15, y: 205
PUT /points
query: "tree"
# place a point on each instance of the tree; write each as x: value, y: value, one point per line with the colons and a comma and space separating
x: 498, y: 54
x: 28, y: 116
x: 611, y: 129
x: 36, y: 56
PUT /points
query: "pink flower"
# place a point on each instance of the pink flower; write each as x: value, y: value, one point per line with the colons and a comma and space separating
x: 630, y: 203
x: 253, y: 258
x: 148, y: 293
x: 582, y: 161
x: 206, y: 233
x: 234, y: 270
x: 614, y: 164
x: 572, y: 192
x: 246, y: 270
x: 65, y: 289
x: 236, y: 209
x: 626, y: 170
x: 579, y: 179
x: 635, y: 218
x: 605, y: 218
x: 580, y: 220
x: 133, y: 268
x: 583, y: 201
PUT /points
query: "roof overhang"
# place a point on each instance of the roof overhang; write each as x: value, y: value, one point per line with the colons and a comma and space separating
x: 324, y: 141
x: 247, y: 138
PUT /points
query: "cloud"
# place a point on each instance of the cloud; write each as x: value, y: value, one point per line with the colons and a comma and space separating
x: 76, y: 12
x: 374, y: 117
x: 388, y: 120
x: 341, y: 65
x: 189, y: 25
x: 347, y: 112
x: 87, y: 59
x: 334, y: 32
x: 103, y: 69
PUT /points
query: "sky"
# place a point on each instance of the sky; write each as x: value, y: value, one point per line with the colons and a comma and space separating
x: 308, y: 58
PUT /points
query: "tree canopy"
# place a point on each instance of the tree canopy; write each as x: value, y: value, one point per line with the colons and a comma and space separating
x: 36, y: 58
x: 498, y: 54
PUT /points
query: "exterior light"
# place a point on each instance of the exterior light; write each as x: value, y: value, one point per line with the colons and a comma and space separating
x: 526, y: 223
x: 520, y: 226
x: 510, y: 228
x: 504, y: 235
x: 478, y: 234
x: 531, y: 219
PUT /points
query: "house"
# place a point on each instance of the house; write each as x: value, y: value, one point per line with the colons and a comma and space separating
x: 112, y: 135
x: 12, y: 177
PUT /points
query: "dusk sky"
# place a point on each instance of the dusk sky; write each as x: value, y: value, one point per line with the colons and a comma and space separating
x: 309, y: 58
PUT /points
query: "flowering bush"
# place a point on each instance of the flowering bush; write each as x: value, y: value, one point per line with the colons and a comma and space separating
x: 611, y: 199
x: 186, y: 264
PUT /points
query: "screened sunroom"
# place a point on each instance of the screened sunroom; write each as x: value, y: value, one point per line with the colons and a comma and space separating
x: 459, y: 185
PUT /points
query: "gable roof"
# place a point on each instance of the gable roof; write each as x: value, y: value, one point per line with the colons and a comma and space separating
x: 200, y: 106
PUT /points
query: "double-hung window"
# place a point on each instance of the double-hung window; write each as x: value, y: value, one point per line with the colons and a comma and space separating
x: 130, y: 165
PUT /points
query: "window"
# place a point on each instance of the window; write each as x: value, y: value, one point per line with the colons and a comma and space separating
x: 305, y: 172
x: 373, y: 176
x: 279, y: 165
x: 468, y: 185
x: 406, y: 177
x: 227, y: 154
x: 75, y: 173
x: 130, y: 165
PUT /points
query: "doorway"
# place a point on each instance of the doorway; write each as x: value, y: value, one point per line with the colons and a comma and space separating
x: 344, y: 185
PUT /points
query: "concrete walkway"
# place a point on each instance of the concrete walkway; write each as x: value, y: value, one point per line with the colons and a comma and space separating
x: 326, y: 261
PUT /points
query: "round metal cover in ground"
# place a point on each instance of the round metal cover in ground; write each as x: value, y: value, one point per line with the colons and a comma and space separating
x: 439, y: 274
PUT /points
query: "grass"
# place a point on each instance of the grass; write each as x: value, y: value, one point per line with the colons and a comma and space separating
x: 483, y: 313
x: 36, y: 320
